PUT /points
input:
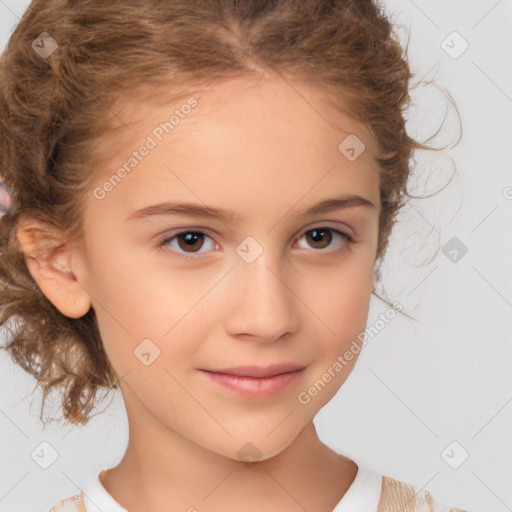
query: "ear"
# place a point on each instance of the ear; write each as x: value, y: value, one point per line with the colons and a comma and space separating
x: 49, y: 260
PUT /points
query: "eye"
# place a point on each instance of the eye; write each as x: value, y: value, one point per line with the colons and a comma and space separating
x: 322, y: 236
x: 190, y: 241
x: 186, y: 240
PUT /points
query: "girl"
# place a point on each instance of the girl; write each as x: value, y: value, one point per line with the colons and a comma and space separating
x: 205, y: 191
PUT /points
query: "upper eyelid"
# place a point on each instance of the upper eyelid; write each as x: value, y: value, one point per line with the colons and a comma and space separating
x: 207, y: 231
x: 179, y: 231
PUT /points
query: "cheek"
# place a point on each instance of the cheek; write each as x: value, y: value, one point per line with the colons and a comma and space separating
x: 343, y: 309
x: 344, y: 302
x: 147, y: 320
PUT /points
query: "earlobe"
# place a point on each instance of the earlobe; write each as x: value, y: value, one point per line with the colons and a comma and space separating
x: 49, y: 264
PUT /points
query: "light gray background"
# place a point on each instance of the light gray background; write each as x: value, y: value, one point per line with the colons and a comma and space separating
x: 416, y: 388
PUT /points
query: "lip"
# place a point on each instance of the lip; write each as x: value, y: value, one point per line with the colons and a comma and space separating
x: 259, y: 372
x: 273, y: 380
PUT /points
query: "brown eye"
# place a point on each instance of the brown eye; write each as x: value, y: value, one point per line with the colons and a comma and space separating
x: 187, y: 242
x: 320, y: 238
x: 190, y: 240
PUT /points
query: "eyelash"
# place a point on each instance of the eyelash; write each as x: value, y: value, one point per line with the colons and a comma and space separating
x: 163, y: 243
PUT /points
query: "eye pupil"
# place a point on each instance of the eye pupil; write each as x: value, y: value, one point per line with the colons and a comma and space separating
x: 318, y: 234
x: 190, y: 239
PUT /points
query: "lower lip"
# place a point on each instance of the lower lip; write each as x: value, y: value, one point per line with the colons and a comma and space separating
x: 254, y: 387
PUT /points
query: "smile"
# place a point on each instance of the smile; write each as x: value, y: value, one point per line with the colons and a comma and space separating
x: 254, y: 386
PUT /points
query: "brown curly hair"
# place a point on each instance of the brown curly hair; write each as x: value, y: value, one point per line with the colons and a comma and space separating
x: 52, y: 109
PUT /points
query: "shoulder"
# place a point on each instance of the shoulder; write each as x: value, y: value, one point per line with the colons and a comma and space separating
x: 397, y: 495
x: 74, y: 503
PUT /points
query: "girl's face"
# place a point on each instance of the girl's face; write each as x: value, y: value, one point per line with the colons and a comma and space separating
x: 247, y: 276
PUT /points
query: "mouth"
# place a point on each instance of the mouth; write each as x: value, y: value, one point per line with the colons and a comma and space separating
x: 251, y: 381
x: 260, y: 372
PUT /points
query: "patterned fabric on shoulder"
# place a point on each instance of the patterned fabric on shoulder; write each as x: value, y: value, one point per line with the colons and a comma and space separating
x: 72, y: 504
x: 397, y: 495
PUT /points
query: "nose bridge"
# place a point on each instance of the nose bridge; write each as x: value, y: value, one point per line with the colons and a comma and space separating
x: 264, y: 278
x: 264, y: 306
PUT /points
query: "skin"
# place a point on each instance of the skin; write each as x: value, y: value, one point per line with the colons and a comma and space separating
x: 267, y: 151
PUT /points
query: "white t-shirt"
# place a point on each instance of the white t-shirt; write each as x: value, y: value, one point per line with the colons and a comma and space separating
x: 362, y: 496
x: 364, y: 493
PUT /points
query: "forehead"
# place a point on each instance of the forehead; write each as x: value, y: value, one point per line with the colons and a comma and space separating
x: 274, y: 99
x: 271, y: 129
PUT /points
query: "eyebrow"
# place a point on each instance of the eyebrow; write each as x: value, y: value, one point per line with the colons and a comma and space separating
x: 203, y: 211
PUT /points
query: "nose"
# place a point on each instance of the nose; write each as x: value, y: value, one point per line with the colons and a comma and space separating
x: 264, y: 305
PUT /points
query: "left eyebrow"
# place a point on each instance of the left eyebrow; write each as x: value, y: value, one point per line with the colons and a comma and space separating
x: 202, y: 211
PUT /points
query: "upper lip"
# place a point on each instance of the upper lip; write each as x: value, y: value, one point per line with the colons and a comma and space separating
x: 260, y: 371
